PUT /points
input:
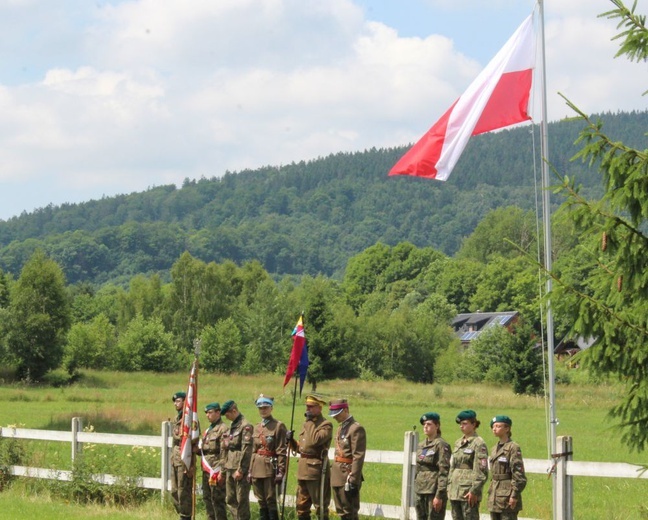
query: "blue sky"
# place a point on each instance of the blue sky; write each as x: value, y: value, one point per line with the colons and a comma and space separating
x: 105, y: 97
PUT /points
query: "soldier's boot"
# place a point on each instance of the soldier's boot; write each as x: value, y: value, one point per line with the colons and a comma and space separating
x: 273, y: 514
x: 263, y: 513
x: 303, y: 517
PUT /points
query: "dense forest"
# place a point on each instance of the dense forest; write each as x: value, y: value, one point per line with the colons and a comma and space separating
x: 301, y: 218
x: 378, y: 266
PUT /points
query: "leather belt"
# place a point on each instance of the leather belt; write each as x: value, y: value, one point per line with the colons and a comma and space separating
x: 464, y: 466
x: 266, y: 453
x: 308, y: 456
x: 502, y: 476
x: 344, y: 460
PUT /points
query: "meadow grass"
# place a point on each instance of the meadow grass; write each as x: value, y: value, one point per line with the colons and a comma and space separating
x: 138, y: 403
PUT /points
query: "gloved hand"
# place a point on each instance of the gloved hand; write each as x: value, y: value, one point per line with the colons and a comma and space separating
x: 278, y: 478
x: 290, y: 434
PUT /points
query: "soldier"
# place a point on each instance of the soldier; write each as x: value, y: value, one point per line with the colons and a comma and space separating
x: 313, y: 472
x: 210, y: 448
x: 468, y: 469
x: 268, y: 465
x: 346, y: 472
x: 508, y: 476
x: 237, y: 453
x: 181, y: 478
x: 432, y: 466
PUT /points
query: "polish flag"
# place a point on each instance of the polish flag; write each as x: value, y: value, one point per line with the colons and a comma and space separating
x: 498, y: 97
x: 190, y: 424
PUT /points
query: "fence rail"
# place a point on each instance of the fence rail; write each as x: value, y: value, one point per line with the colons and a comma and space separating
x: 564, y: 467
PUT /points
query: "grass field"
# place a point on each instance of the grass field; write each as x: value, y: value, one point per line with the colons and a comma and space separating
x: 138, y: 403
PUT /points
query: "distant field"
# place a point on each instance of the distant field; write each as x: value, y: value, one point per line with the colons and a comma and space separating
x: 138, y: 403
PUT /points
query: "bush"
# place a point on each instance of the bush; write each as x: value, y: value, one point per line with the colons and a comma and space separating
x: 12, y: 453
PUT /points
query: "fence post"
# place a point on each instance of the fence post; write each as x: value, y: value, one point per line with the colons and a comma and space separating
x: 166, y: 460
x: 564, y: 489
x: 409, y: 447
x: 77, y: 447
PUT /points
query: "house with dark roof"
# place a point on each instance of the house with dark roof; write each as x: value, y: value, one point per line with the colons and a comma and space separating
x: 570, y: 346
x: 469, y: 326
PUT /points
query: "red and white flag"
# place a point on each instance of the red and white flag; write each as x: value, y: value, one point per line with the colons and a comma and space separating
x: 213, y: 472
x: 190, y: 425
x: 497, y: 98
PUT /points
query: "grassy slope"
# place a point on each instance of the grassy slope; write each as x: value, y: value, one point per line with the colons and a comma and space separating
x: 137, y: 403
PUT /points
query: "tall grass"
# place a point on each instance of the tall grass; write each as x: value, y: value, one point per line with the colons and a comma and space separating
x: 138, y: 403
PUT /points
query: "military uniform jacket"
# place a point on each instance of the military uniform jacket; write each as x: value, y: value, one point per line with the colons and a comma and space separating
x: 314, y: 442
x: 210, y: 444
x: 268, y: 449
x: 350, y: 448
x: 432, y: 467
x: 236, y: 446
x: 176, y: 433
x: 468, y: 467
x: 508, y: 477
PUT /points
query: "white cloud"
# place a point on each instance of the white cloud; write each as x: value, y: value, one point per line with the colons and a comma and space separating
x: 148, y: 92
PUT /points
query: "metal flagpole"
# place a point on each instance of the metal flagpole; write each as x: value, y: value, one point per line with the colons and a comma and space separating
x: 285, y: 479
x: 546, y: 211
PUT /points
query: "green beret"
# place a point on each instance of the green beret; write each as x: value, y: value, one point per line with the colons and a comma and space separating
x: 179, y: 395
x: 501, y: 418
x: 227, y: 405
x: 212, y: 406
x: 466, y: 415
x: 430, y: 416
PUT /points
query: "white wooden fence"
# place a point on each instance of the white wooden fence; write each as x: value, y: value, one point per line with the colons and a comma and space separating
x: 565, y: 468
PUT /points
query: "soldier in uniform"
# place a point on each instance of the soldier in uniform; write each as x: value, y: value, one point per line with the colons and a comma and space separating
x: 507, y: 472
x: 181, y: 478
x: 432, y: 467
x: 346, y: 472
x: 313, y: 471
x: 210, y: 448
x: 468, y: 469
x: 237, y: 453
x: 268, y: 465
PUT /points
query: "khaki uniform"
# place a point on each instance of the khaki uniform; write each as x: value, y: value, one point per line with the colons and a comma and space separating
x: 468, y: 473
x: 350, y: 448
x: 237, y: 452
x: 508, y: 480
x: 268, y: 460
x: 214, y: 492
x: 432, y: 467
x: 180, y: 481
x: 314, y: 442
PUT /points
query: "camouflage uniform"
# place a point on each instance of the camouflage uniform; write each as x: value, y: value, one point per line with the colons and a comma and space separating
x: 468, y: 473
x: 508, y: 480
x: 180, y: 481
x: 213, y: 492
x: 350, y: 448
x: 432, y: 467
x: 268, y: 462
x: 314, y: 442
x: 237, y: 452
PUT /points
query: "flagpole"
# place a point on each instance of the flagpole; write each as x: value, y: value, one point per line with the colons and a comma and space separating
x: 546, y: 211
x: 197, y: 343
x: 292, y: 421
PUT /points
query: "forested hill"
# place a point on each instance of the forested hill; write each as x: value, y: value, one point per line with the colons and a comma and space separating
x: 306, y: 217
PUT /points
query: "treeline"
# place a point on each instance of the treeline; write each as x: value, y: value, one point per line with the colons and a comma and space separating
x: 389, y: 316
x: 302, y: 218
